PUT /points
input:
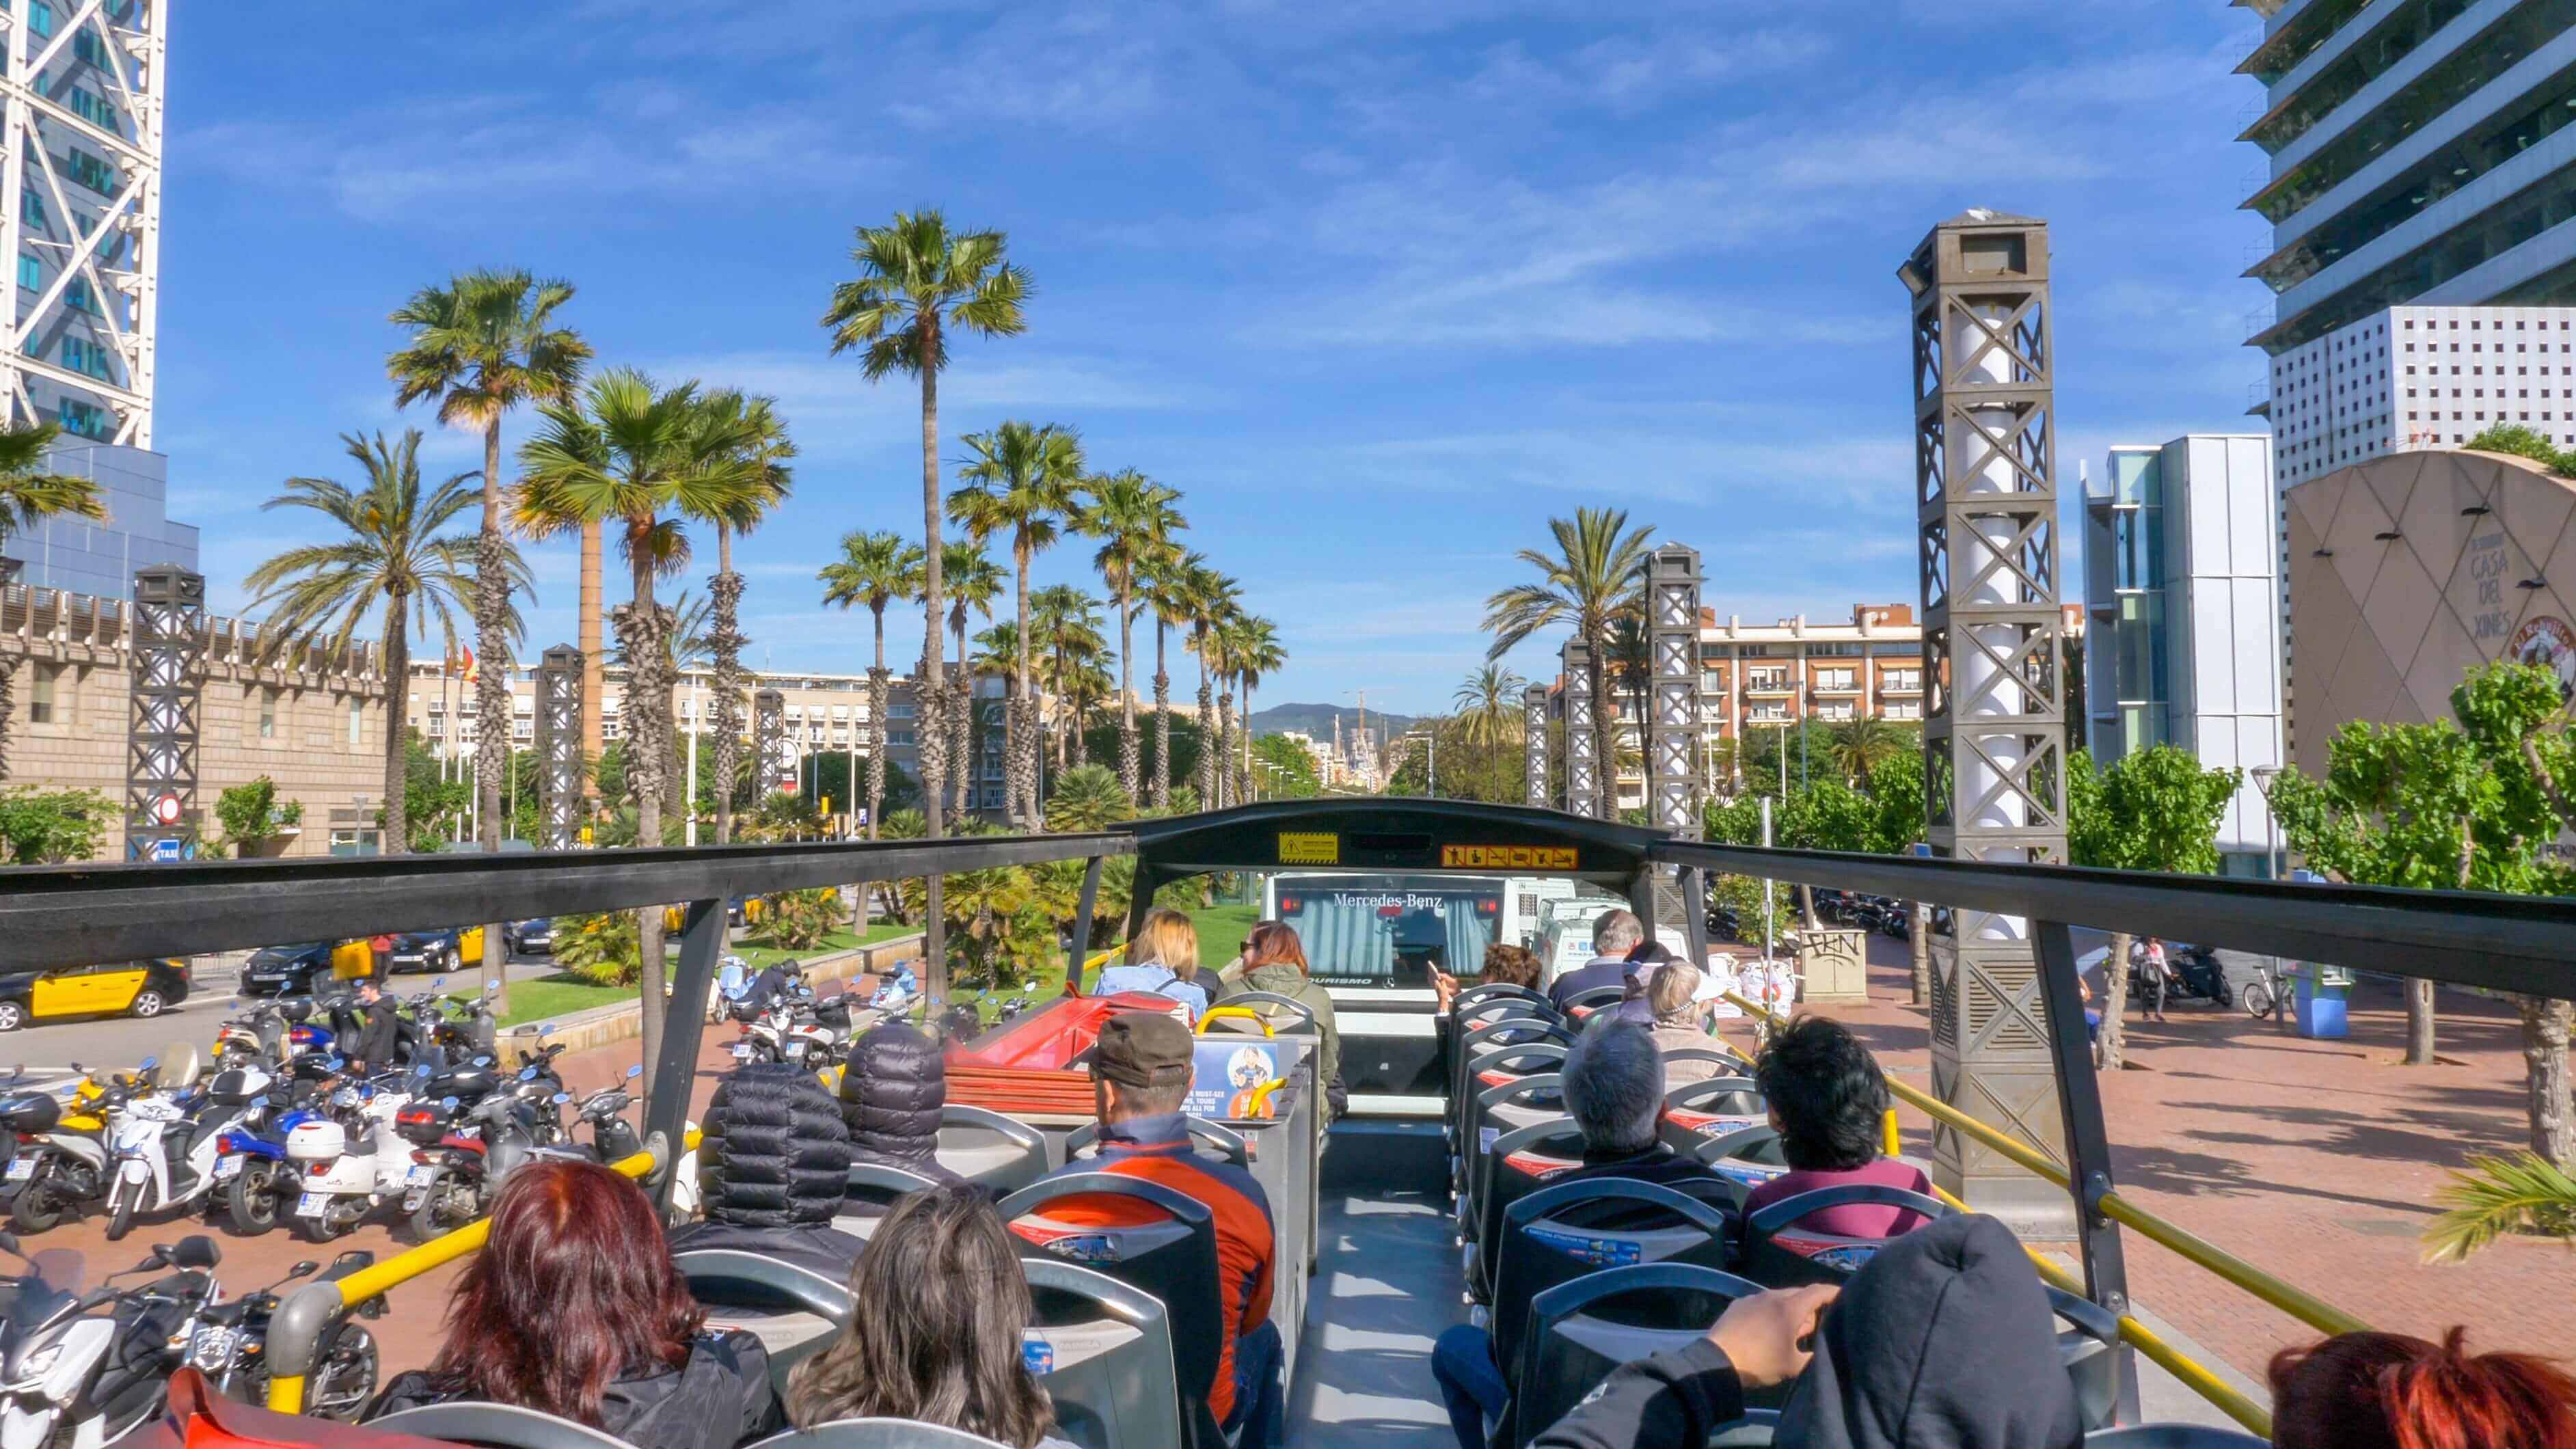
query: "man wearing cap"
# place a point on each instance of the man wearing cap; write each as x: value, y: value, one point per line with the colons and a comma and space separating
x: 1140, y: 1077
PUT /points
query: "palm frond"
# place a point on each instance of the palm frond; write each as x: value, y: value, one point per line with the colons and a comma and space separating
x: 2496, y: 1195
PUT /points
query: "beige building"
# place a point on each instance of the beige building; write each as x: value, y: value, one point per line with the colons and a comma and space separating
x: 316, y: 728
x: 2408, y: 570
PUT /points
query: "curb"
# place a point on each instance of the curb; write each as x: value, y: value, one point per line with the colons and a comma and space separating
x: 607, y: 1025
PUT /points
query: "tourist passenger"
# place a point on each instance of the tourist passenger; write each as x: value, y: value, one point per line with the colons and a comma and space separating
x: 2390, y: 1391
x: 1140, y: 1078
x: 1505, y: 965
x: 1671, y: 1010
x: 1828, y: 1101
x: 1944, y: 1340
x: 574, y: 1309
x: 1162, y: 959
x: 773, y: 1166
x: 1613, y: 1080
x: 938, y: 1311
x: 893, y: 1092
x: 1276, y: 962
x: 1615, y: 933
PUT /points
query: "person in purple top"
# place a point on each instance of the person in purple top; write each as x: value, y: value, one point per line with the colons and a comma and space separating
x: 1827, y: 1099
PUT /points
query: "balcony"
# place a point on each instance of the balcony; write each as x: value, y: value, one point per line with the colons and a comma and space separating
x: 1901, y: 684
x: 1761, y: 684
x: 1836, y: 684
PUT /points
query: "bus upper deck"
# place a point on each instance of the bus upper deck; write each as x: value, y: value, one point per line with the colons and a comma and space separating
x: 1376, y: 1208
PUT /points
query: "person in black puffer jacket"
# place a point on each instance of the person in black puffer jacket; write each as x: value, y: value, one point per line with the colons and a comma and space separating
x: 891, y: 1096
x: 772, y: 1167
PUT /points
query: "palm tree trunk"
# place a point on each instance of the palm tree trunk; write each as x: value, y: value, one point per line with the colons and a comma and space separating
x: 491, y: 693
x: 1227, y: 791
x: 8, y: 704
x: 640, y: 627
x: 1205, y: 774
x: 1605, y: 738
x: 961, y: 724
x: 1162, y: 723
x: 2545, y: 1026
x: 1130, y: 761
x: 726, y: 641
x: 397, y: 655
x: 877, y: 730
x: 2110, y: 1044
x: 1918, y: 949
x: 1022, y: 743
x: 594, y: 663
x: 2419, y: 1022
x: 934, y: 764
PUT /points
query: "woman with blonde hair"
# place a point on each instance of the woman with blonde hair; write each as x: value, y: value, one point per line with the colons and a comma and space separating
x: 1671, y: 1006
x: 1163, y: 959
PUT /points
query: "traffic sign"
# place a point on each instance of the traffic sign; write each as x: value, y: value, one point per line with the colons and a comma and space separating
x: 168, y: 849
x: 165, y: 808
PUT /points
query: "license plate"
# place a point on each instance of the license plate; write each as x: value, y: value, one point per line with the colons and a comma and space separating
x: 741, y: 1053
x: 796, y: 1048
x: 228, y: 1169
x: 420, y: 1176
x: 312, y: 1204
x: 211, y: 1346
x: 21, y: 1169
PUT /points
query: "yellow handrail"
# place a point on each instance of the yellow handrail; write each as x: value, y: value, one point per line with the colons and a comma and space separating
x: 1242, y: 1013
x: 2298, y: 1303
x: 286, y: 1391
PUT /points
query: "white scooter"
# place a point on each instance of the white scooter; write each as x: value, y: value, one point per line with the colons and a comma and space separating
x: 165, y: 1158
x: 80, y: 1370
x: 347, y: 1163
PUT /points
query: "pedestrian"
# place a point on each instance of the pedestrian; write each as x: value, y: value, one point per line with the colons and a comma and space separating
x: 2153, y: 964
x: 380, y: 950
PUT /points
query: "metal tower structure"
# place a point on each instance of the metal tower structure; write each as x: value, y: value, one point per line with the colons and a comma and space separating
x: 774, y: 754
x: 560, y: 776
x: 1534, y: 744
x: 1994, y: 734
x: 1672, y: 728
x: 165, y: 653
x: 1582, y: 775
x: 80, y: 211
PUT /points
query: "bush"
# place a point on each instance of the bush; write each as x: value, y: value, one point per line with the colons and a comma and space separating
x: 605, y: 950
x: 799, y: 920
x: 49, y: 827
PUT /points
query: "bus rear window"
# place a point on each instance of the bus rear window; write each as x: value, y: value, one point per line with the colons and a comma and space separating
x: 1390, y: 932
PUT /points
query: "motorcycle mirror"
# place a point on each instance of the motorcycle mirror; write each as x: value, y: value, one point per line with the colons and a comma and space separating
x: 634, y: 1071
x: 447, y: 1102
x: 491, y: 988
x: 196, y: 1251
x: 308, y: 1266
x: 421, y: 1071
x: 148, y: 1064
x: 527, y: 1074
x: 483, y: 1061
x: 436, y: 982
x: 8, y: 1242
x: 159, y: 1257
x: 562, y: 1097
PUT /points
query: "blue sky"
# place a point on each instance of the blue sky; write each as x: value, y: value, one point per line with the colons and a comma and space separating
x: 1380, y: 287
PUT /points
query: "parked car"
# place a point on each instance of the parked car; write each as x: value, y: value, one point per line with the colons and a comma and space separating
x: 528, y: 937
x: 445, y: 949
x: 141, y: 989
x: 303, y: 968
x: 740, y: 911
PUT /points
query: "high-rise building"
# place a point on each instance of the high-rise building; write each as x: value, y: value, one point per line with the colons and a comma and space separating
x: 2183, y: 648
x: 80, y: 212
x: 2420, y: 151
x: 2421, y: 377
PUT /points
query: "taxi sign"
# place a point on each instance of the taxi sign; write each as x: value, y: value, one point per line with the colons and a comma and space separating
x: 1309, y: 847
x: 1508, y: 857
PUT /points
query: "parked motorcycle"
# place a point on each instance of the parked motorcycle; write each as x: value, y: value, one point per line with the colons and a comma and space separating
x: 2192, y: 972
x: 345, y: 1162
x: 79, y: 1369
x: 166, y: 1142
x: 61, y: 1164
x: 229, y: 1345
x: 451, y: 1182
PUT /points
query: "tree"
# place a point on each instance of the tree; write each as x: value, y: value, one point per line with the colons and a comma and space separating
x: 1168, y: 578
x: 1023, y: 481
x: 1208, y: 598
x: 757, y: 436
x: 917, y: 281
x: 1087, y: 797
x: 648, y: 458
x: 1133, y: 517
x: 875, y: 569
x: 1291, y: 769
x: 974, y: 582
x: 1864, y: 742
x: 1598, y: 563
x: 29, y: 496
x: 2155, y: 810
x: 49, y: 827
x: 1181, y: 742
x: 1899, y: 822
x: 2523, y: 442
x: 1068, y: 648
x: 392, y: 562
x: 251, y: 813
x: 1490, y: 714
x: 1253, y: 650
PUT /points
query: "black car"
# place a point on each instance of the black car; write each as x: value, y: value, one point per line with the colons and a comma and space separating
x: 527, y: 938
x: 295, y: 970
x: 440, y: 950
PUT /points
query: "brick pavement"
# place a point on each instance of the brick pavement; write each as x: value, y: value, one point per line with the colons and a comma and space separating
x: 2315, y: 1160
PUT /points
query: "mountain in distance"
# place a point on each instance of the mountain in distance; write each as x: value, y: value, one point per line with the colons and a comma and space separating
x: 1317, y: 720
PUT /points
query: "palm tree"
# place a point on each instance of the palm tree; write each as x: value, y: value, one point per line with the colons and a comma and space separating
x: 29, y: 496
x: 1597, y: 564
x: 1251, y: 651
x: 1212, y: 599
x: 1865, y: 742
x: 752, y: 427
x: 1087, y: 797
x: 1067, y: 622
x: 1489, y: 717
x: 877, y: 569
x: 974, y: 582
x: 1133, y: 517
x: 390, y: 552
x: 480, y: 346
x: 1024, y: 480
x: 690, y: 646
x: 1167, y: 576
x: 917, y: 280
x: 648, y: 458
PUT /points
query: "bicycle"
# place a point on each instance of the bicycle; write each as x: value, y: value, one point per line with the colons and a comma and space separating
x: 2268, y: 993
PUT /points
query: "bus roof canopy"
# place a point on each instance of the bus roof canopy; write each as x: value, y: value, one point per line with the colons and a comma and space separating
x: 1375, y: 833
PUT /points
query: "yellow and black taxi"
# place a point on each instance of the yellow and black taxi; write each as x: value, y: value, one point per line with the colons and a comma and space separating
x: 127, y: 988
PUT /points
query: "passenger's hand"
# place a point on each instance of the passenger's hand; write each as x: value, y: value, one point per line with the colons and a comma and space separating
x: 1445, y: 986
x: 1770, y: 1336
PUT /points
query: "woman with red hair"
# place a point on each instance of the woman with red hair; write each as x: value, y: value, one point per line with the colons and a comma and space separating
x: 1274, y: 960
x: 2390, y: 1391
x: 574, y: 1309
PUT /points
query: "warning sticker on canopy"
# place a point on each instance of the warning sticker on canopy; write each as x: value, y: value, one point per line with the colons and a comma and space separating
x: 1309, y: 847
x: 1507, y: 857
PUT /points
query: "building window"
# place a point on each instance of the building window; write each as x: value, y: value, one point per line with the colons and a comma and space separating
x: 31, y: 208
x: 90, y: 171
x: 357, y: 723
x: 83, y: 355
x: 87, y: 47
x: 43, y: 702
x: 94, y: 110
x: 86, y: 419
x: 268, y: 715
x: 40, y: 18
x: 76, y: 296
x: 31, y: 273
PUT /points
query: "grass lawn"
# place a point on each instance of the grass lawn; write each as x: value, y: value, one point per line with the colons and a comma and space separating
x: 1221, y: 932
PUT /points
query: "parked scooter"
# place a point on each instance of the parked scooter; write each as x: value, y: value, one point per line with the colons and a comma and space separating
x: 61, y: 1167
x: 78, y: 1370
x: 451, y: 1182
x: 166, y: 1141
x: 345, y: 1162
x: 229, y: 1345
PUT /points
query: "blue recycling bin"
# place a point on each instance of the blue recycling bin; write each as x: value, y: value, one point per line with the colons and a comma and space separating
x: 2320, y: 997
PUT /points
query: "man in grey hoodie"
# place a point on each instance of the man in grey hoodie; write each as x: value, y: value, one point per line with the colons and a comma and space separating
x: 1944, y: 1341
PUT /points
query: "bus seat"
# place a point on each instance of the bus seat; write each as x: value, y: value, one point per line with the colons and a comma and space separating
x: 2090, y: 1349
x: 1715, y: 1054
x: 878, y: 1434
x: 1560, y: 1233
x: 499, y: 1426
x: 1579, y: 1331
x: 1488, y: 1058
x: 997, y: 1153
x: 1779, y: 1255
x: 2172, y: 1436
x: 1746, y: 1157
x: 793, y: 1311
x: 1520, y: 1102
x: 1521, y: 1162
x: 1102, y: 1349
x: 880, y: 1186
x: 1697, y: 1111
x: 1272, y: 1007
x: 1583, y: 1003
x: 1174, y: 1260
x: 1494, y: 991
x: 1216, y: 1136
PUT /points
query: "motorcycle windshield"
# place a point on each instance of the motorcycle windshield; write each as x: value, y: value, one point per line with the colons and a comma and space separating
x: 50, y: 1280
